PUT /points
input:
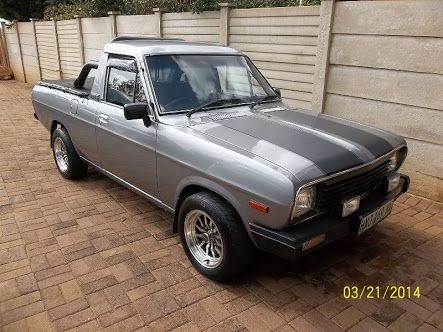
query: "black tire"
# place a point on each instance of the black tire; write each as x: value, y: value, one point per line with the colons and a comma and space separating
x: 76, y: 168
x: 238, y: 249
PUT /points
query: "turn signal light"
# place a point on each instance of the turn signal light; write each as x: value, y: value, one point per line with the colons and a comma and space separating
x: 393, y: 182
x: 259, y: 206
x: 315, y: 241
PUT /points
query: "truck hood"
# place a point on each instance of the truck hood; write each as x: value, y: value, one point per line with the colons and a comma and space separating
x: 307, y: 144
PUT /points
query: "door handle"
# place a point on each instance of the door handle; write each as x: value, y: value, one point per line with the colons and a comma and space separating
x: 103, y: 118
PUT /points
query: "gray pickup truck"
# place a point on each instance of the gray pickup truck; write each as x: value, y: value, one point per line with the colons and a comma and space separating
x: 196, y: 129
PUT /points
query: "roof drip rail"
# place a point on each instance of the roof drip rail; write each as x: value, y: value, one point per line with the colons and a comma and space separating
x: 121, y: 38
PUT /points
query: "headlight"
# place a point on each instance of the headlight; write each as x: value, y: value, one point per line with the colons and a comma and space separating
x: 393, y: 162
x: 304, y: 201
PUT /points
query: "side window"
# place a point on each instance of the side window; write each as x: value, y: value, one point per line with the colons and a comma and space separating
x: 120, y: 87
x: 139, y: 93
x: 90, y: 79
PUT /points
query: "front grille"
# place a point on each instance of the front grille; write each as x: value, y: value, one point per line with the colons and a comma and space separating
x: 362, y: 183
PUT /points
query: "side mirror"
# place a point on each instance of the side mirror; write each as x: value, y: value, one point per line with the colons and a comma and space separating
x: 136, y: 111
x: 277, y: 91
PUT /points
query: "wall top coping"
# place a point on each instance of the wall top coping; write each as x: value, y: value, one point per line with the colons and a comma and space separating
x: 226, y: 4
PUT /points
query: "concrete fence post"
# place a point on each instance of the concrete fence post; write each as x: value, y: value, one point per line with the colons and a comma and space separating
x: 15, y: 22
x: 321, y: 67
x: 57, y: 48
x: 33, y: 20
x: 158, y: 14
x: 225, y: 8
x: 80, y: 38
x: 113, y: 21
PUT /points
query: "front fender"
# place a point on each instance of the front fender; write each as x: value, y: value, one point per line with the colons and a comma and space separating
x: 211, y: 186
x: 186, y: 158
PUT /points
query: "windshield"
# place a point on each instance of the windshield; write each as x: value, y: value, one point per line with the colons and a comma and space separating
x: 186, y: 82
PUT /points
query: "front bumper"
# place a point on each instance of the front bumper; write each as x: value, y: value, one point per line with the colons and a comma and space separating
x: 288, y: 243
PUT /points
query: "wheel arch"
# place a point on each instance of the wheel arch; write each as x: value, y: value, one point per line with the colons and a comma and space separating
x: 202, y: 185
x: 54, y: 125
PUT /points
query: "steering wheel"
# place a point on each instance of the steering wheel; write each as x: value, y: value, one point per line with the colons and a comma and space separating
x: 178, y: 100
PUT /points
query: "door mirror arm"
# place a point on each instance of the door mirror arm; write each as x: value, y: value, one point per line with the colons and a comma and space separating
x: 147, y: 121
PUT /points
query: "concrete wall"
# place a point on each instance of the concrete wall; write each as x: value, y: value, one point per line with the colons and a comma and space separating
x: 47, y: 49
x: 14, y: 53
x: 29, y: 51
x: 5, y: 71
x: 202, y: 27
x: 386, y: 69
x: 141, y: 25
x: 97, y: 32
x: 71, y: 60
x: 376, y: 62
x: 282, y: 42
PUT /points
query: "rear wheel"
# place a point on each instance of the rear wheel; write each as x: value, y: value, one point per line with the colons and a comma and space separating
x: 66, y: 158
x: 213, y: 236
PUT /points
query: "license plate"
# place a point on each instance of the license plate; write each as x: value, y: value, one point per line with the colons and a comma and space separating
x: 375, y: 217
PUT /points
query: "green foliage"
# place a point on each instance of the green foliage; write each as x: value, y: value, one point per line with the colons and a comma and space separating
x: 145, y: 6
x: 21, y: 9
x: 65, y: 9
x: 94, y: 8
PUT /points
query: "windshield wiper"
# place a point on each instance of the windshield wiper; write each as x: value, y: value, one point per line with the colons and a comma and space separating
x: 261, y: 100
x: 221, y: 101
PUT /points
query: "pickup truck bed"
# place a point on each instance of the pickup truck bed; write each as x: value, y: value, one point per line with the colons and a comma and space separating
x: 67, y: 85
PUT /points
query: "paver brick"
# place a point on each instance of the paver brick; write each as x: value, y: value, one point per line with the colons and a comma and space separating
x: 19, y: 301
x: 99, y: 284
x: 406, y: 323
x: 333, y: 307
x: 116, y: 315
x: 252, y: 322
x: 44, y: 274
x: 55, y: 280
x: 156, y: 305
x: 91, y: 255
x: 52, y: 297
x: 199, y: 315
x: 26, y: 284
x: 74, y: 320
x: 348, y: 317
x: 129, y: 324
x: 302, y: 325
x: 71, y: 290
x: 68, y: 309
x: 22, y: 312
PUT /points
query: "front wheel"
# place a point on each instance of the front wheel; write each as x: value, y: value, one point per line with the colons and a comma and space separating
x: 213, y: 237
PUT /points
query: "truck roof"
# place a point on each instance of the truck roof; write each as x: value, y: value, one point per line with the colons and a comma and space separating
x: 156, y: 46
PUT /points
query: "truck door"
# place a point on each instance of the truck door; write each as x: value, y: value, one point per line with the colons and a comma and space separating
x: 126, y: 148
x: 83, y: 113
x: 84, y: 131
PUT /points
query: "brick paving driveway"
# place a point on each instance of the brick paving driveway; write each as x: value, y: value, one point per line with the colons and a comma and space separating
x: 92, y: 255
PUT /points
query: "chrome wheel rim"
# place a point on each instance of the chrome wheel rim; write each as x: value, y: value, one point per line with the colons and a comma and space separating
x: 203, y: 239
x: 61, y: 155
